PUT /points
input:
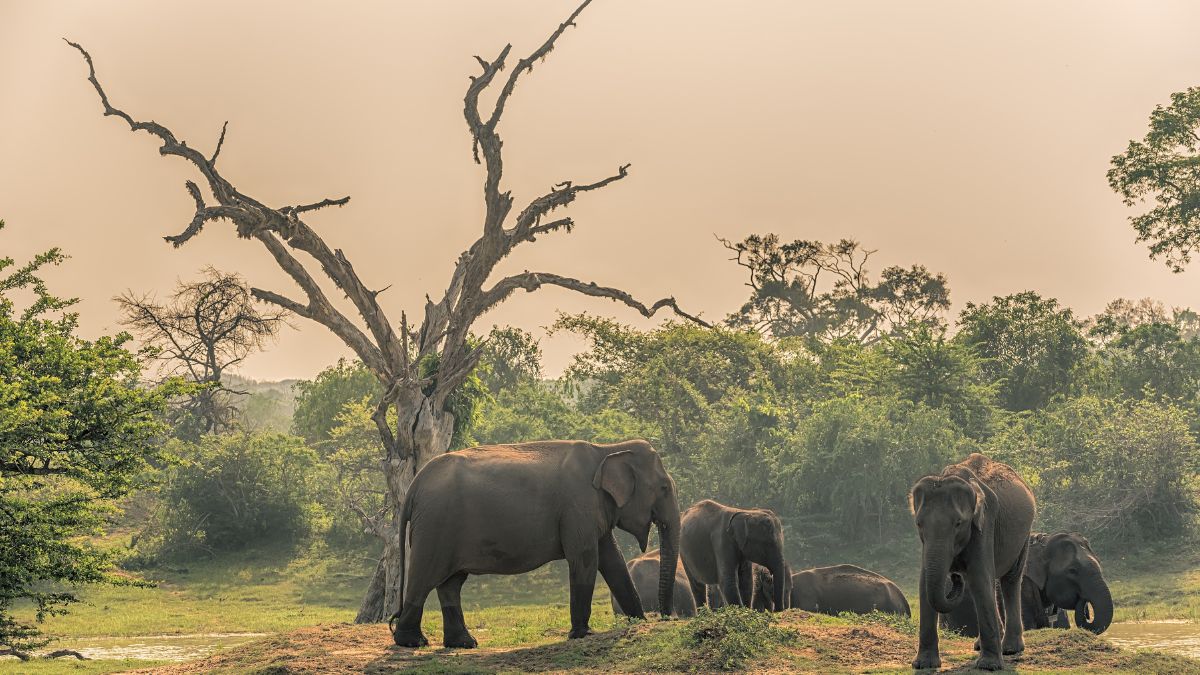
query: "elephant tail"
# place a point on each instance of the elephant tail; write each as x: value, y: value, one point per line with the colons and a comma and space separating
x: 402, y: 535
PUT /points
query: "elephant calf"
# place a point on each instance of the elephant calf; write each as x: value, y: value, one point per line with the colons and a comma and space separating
x: 1061, y: 572
x: 644, y: 570
x: 763, y: 596
x: 846, y: 588
x: 720, y: 543
x: 509, y: 509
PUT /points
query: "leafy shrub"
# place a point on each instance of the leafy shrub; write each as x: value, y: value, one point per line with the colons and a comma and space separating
x: 728, y: 636
x: 231, y: 491
x: 1117, y: 470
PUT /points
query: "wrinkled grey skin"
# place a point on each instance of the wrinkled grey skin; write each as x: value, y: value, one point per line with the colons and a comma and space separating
x: 509, y: 509
x: 762, y: 598
x: 720, y: 543
x: 644, y: 570
x: 973, y: 520
x: 1062, y: 572
x: 846, y: 588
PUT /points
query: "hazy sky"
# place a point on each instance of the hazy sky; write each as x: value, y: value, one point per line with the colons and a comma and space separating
x: 969, y: 137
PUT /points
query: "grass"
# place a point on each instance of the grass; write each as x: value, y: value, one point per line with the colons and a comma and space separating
x: 281, y: 590
x: 67, y: 665
x: 731, y: 638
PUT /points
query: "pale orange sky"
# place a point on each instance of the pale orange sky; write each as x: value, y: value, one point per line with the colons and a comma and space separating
x: 969, y: 137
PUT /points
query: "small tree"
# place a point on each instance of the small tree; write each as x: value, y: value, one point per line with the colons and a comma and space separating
x: 419, y: 368
x: 824, y: 292
x: 76, y: 429
x: 207, y: 327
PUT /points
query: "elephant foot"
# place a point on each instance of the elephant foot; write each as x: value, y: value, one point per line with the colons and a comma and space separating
x: 989, y: 663
x: 410, y: 638
x: 579, y: 632
x: 460, y: 640
x: 1015, y: 648
x: 927, y: 661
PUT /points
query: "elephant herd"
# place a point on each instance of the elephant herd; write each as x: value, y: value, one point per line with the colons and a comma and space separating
x: 509, y: 509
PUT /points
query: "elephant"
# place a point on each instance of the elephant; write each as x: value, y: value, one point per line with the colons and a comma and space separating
x: 846, y: 588
x: 1062, y: 571
x: 762, y: 598
x: 720, y: 543
x: 974, y: 521
x: 509, y: 509
x: 644, y: 572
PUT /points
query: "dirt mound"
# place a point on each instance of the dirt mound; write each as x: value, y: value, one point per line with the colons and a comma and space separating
x: 812, y: 644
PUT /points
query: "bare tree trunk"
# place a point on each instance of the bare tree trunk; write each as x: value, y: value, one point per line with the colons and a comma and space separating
x: 431, y: 436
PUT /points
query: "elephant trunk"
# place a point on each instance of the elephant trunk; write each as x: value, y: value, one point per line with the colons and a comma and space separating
x: 933, y: 582
x: 1094, y: 592
x: 779, y: 585
x: 668, y: 559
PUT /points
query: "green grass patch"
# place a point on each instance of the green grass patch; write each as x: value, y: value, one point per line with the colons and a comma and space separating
x: 69, y: 665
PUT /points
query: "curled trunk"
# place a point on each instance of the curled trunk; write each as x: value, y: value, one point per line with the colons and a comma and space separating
x: 1094, y: 593
x: 933, y: 581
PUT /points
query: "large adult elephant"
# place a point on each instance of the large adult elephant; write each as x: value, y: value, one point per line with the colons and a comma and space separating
x: 509, y: 509
x: 1061, y: 572
x: 719, y: 544
x: 846, y: 588
x: 974, y: 520
x: 644, y: 570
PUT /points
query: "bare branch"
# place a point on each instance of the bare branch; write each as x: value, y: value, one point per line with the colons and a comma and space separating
x: 220, y: 142
x: 319, y: 205
x: 531, y: 281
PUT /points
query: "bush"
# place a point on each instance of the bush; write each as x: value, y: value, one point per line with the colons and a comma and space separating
x: 855, y: 458
x: 231, y: 491
x: 727, y: 637
x: 1122, y: 471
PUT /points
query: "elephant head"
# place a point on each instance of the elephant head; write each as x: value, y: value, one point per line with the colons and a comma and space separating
x: 759, y: 535
x: 764, y: 589
x: 947, y: 510
x: 1068, y: 573
x: 644, y: 493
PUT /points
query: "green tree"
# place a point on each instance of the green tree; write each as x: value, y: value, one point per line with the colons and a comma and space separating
x: 77, y: 429
x: 1154, y: 358
x: 946, y: 375
x: 510, y: 356
x: 823, y: 292
x: 319, y: 401
x: 1163, y: 167
x: 1031, y: 346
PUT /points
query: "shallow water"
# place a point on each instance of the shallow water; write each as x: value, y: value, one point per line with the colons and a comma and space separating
x: 1179, y: 637
x: 156, y: 647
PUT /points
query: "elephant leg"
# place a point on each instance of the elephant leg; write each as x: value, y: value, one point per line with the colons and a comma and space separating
x: 714, y: 596
x: 982, y: 588
x: 616, y: 575
x: 582, y: 567
x: 406, y: 628
x: 746, y: 582
x: 1010, y: 591
x: 727, y: 574
x: 927, y: 642
x: 454, y: 624
x: 699, y: 592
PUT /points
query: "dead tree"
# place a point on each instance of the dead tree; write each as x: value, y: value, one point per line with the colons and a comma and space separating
x: 207, y: 327
x: 400, y: 356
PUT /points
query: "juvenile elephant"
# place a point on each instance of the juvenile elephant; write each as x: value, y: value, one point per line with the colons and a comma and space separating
x: 764, y: 589
x: 846, y: 588
x: 974, y: 521
x: 509, y: 509
x: 1061, y: 572
x: 719, y: 544
x: 644, y: 570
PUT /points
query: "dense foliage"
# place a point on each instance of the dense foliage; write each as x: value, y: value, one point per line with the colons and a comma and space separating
x: 76, y: 431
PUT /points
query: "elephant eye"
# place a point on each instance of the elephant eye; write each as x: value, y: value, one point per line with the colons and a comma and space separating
x: 958, y: 522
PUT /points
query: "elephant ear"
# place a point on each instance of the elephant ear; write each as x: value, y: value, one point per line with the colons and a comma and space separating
x: 979, y: 519
x: 616, y: 476
x: 739, y: 526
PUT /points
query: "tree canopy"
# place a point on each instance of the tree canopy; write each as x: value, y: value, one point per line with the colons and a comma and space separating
x: 76, y: 430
